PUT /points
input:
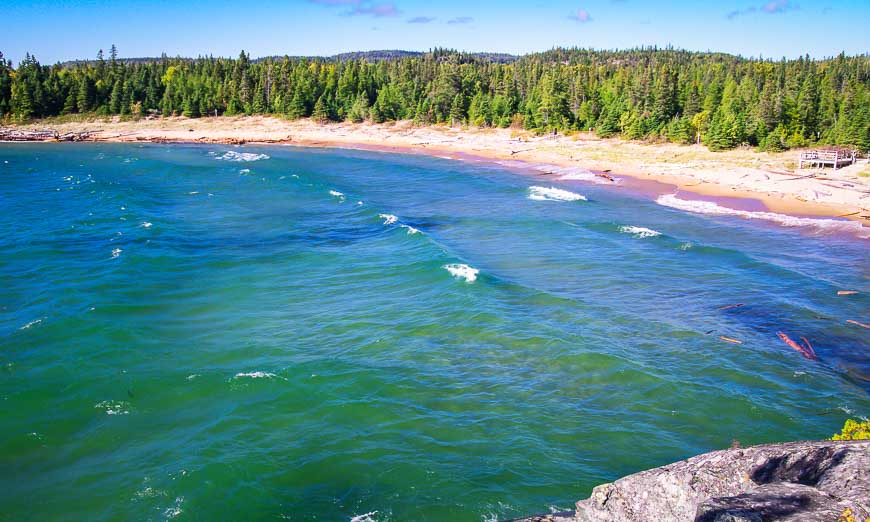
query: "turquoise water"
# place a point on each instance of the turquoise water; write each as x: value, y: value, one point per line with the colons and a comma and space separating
x: 187, y: 335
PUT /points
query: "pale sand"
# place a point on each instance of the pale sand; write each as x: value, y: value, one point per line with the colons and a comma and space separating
x: 742, y: 173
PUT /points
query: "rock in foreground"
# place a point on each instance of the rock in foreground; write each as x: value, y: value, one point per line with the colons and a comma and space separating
x: 795, y: 481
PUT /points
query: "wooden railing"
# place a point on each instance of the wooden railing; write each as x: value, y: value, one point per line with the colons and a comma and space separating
x: 835, y: 158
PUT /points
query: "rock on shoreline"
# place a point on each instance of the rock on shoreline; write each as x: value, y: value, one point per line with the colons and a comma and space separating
x: 793, y: 481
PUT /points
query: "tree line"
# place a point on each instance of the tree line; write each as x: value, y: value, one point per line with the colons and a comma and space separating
x: 720, y: 100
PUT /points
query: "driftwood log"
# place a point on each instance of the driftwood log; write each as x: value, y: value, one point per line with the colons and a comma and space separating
x: 9, y: 134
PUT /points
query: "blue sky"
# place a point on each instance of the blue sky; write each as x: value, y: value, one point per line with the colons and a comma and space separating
x: 56, y: 30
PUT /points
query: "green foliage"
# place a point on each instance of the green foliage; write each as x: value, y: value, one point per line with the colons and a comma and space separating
x: 724, y: 101
x: 854, y: 430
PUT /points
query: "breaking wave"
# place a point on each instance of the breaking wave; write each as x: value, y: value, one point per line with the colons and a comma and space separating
x: 463, y: 271
x: 553, y: 194
x: 713, y: 209
x: 254, y: 375
x: 241, y: 156
x: 640, y: 232
x: 389, y: 219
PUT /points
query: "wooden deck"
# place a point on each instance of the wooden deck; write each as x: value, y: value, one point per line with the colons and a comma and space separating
x: 824, y: 158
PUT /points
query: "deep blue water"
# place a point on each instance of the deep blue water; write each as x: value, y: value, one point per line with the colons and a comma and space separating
x: 187, y: 336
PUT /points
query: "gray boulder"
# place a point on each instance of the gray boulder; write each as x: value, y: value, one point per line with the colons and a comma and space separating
x: 794, y: 481
x: 804, y: 481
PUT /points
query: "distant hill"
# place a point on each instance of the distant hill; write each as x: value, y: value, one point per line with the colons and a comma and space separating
x: 370, y: 56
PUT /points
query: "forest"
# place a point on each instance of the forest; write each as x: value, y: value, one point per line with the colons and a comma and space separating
x: 720, y: 100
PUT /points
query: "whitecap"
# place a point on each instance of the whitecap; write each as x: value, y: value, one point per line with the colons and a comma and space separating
x: 114, y: 407
x: 254, y: 375
x: 411, y: 230
x: 710, y: 208
x: 640, y: 232
x: 359, y: 202
x: 145, y: 224
x: 462, y: 270
x: 553, y: 194
x: 389, y: 219
x: 244, y: 171
x: 336, y: 193
x: 365, y: 517
x: 685, y: 246
x: 32, y: 324
x: 116, y: 253
x: 241, y: 156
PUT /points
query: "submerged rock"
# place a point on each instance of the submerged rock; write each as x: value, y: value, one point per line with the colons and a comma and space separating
x: 794, y: 481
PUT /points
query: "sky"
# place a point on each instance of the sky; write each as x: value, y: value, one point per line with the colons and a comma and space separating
x: 59, y: 30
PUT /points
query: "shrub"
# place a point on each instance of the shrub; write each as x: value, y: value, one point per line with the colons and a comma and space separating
x: 854, y: 430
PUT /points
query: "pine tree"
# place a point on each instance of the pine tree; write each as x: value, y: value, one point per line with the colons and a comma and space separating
x: 115, y: 100
x: 320, y: 114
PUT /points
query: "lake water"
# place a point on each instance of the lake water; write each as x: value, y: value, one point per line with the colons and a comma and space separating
x: 215, y: 333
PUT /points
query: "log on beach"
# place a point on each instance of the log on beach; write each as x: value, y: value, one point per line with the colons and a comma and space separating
x: 7, y: 134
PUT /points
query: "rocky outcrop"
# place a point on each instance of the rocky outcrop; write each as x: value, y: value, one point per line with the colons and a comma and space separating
x: 795, y: 481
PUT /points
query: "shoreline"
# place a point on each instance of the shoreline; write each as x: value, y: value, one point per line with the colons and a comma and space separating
x: 742, y: 180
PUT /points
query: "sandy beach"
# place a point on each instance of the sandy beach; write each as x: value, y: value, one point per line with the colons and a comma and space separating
x: 660, y: 168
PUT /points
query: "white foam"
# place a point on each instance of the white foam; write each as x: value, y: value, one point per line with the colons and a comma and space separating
x: 241, y: 156
x: 710, y: 208
x: 685, y: 246
x: 254, y: 375
x: 365, y: 517
x: 244, y: 171
x: 145, y: 224
x: 114, y: 407
x: 116, y: 253
x: 411, y: 230
x: 31, y: 324
x: 336, y: 193
x: 389, y: 219
x: 462, y: 270
x: 640, y: 232
x: 553, y: 194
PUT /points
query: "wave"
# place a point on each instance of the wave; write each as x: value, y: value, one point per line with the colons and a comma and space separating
x: 553, y: 194
x: 245, y: 171
x: 241, y: 156
x: 713, y: 209
x: 116, y: 253
x: 411, y: 230
x: 146, y: 224
x: 640, y: 232
x: 462, y: 270
x: 336, y: 193
x: 389, y: 219
x: 365, y: 517
x: 254, y: 375
x: 32, y: 324
x: 114, y: 407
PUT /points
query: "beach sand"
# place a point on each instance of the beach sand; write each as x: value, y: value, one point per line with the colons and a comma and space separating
x: 741, y: 177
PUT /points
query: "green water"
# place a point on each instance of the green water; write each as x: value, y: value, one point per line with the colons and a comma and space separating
x: 185, y: 335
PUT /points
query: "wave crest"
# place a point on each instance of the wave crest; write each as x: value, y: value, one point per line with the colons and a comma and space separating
x: 538, y: 193
x: 232, y: 155
x: 463, y: 271
x: 639, y: 232
x: 713, y: 209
